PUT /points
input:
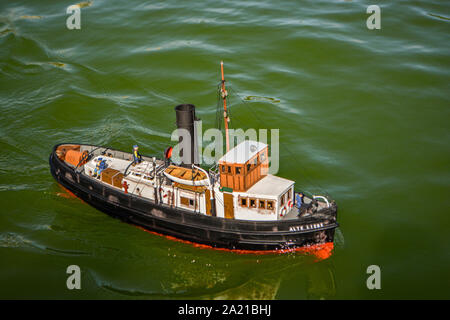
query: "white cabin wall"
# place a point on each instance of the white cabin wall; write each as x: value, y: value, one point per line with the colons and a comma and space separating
x: 201, y: 203
x: 167, y: 190
x: 219, y: 203
x: 176, y: 200
x: 280, y: 208
x: 199, y: 198
x: 253, y: 213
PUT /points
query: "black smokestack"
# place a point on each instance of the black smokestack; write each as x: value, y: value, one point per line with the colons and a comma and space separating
x: 186, y: 118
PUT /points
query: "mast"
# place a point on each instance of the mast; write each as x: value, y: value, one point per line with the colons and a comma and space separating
x: 225, y: 113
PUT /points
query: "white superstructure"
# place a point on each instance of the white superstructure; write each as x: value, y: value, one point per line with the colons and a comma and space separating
x: 242, y: 190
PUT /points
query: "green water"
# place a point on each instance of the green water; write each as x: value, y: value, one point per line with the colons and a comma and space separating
x: 363, y: 114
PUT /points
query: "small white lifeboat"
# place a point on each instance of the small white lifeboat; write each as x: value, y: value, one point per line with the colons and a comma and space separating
x: 186, y: 176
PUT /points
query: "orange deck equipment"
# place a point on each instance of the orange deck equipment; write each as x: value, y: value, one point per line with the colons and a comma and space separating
x: 75, y: 157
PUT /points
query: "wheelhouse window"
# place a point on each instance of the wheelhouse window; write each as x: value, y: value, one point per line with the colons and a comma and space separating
x: 262, y: 204
x: 282, y: 200
x: 229, y: 169
x: 244, y: 202
x: 238, y: 170
x: 223, y: 169
x: 253, y: 203
x: 269, y: 205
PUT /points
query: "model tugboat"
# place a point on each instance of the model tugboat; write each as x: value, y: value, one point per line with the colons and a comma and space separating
x: 235, y: 205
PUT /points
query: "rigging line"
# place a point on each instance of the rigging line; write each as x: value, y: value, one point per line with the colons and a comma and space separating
x: 231, y: 118
x: 142, y: 176
x: 220, y: 201
x: 306, y: 178
x: 229, y: 108
x: 219, y: 113
x: 233, y: 99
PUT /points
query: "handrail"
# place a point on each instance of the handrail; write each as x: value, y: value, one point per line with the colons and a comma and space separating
x: 324, y: 198
x: 210, y: 188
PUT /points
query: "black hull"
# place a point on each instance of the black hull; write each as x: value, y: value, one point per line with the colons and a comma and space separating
x: 197, y: 228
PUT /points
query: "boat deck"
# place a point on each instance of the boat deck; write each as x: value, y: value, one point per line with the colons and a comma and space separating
x: 292, y: 214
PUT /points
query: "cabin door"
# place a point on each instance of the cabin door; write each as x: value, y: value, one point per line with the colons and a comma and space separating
x: 208, y: 202
x: 228, y: 205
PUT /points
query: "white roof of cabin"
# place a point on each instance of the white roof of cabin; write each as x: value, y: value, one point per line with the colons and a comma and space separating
x: 270, y: 185
x: 243, y: 152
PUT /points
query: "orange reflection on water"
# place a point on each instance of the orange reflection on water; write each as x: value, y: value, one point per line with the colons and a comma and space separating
x: 320, y: 251
x: 66, y: 194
